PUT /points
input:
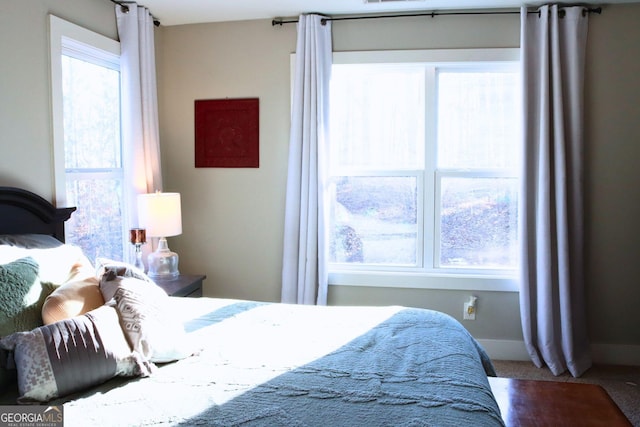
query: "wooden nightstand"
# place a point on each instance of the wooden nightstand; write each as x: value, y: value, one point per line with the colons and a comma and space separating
x: 186, y: 285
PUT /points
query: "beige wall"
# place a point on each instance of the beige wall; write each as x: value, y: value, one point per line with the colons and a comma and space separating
x: 233, y: 222
x: 232, y: 218
x: 613, y: 175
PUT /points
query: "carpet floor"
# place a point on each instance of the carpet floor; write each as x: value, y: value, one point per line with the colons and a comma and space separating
x: 621, y: 382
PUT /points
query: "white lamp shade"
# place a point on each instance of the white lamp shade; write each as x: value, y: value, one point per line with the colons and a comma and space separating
x: 160, y: 214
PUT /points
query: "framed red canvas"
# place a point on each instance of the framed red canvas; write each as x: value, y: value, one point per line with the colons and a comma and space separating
x: 227, y: 133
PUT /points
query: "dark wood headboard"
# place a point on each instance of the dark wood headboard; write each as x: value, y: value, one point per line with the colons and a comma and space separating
x: 23, y: 212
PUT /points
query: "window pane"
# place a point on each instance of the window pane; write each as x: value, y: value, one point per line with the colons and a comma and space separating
x: 478, y: 223
x: 91, y: 105
x: 478, y: 119
x: 377, y: 116
x: 374, y: 220
x: 96, y: 226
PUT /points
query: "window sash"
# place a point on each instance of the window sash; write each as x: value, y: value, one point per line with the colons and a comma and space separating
x: 427, y: 272
x: 70, y: 40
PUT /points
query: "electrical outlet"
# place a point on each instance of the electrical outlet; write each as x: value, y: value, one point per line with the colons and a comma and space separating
x: 469, y: 311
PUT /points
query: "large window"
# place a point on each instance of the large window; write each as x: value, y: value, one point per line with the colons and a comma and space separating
x: 424, y: 169
x: 87, y: 143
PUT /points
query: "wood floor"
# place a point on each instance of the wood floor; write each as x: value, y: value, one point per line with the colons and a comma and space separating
x: 531, y: 403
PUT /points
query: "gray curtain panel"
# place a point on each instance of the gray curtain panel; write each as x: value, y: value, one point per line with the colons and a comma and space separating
x: 552, y: 296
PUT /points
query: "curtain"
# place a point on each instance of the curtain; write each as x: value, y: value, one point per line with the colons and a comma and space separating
x: 140, y: 135
x: 304, y: 271
x: 552, y: 296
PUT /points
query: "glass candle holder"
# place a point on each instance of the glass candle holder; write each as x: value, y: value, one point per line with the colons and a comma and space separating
x: 138, y: 237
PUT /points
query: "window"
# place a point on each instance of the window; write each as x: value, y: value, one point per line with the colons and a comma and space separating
x: 424, y: 148
x: 87, y: 145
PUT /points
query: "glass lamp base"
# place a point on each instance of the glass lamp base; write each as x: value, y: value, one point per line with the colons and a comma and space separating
x: 163, y: 264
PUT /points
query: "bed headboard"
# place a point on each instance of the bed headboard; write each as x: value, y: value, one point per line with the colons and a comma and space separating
x: 23, y: 212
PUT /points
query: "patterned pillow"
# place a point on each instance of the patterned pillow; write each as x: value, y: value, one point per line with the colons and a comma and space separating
x: 117, y: 268
x: 71, y: 355
x: 146, y: 318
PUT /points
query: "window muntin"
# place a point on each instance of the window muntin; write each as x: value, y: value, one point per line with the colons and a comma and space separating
x: 464, y: 178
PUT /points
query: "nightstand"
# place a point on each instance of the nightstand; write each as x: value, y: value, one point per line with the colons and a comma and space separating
x: 186, y: 285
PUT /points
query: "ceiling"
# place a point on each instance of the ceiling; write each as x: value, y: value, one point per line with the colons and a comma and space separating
x: 178, y: 12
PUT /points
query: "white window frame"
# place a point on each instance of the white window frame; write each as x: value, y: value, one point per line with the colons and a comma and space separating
x: 71, y: 40
x: 420, y: 277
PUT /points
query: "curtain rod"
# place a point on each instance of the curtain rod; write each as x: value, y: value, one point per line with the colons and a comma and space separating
x: 280, y: 21
x: 124, y: 6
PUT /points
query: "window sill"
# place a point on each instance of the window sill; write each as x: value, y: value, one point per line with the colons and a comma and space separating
x: 424, y: 281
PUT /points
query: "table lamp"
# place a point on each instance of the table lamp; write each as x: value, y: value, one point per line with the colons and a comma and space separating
x: 161, y: 216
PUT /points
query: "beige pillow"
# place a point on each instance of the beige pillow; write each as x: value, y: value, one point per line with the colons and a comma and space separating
x: 72, y: 299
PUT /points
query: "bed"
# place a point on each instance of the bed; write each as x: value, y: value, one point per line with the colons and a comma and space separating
x: 223, y: 362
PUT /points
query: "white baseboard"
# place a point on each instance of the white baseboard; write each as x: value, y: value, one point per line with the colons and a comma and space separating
x: 609, y: 354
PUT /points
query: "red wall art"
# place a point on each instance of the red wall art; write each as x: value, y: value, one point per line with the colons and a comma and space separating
x: 227, y: 133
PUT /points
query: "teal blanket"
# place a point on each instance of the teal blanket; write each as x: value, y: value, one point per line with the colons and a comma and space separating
x: 263, y: 364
